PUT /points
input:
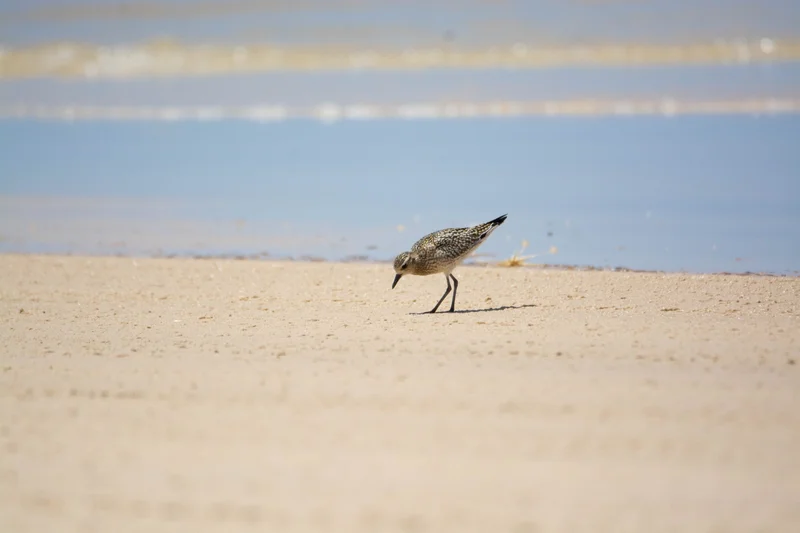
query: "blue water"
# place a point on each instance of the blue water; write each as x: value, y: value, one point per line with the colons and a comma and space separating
x: 302, y: 89
x: 694, y: 193
x: 397, y: 23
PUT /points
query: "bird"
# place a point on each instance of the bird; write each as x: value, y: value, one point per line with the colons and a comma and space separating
x: 441, y: 252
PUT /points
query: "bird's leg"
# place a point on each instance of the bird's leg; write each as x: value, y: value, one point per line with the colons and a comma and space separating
x: 447, y: 277
x: 455, y: 289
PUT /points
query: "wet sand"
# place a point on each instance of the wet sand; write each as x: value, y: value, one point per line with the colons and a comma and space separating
x: 218, y: 395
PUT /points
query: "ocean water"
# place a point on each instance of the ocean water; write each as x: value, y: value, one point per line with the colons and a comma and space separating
x: 659, y: 134
x: 694, y: 193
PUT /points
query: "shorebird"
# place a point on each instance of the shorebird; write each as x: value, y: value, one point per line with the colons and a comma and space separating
x: 441, y: 252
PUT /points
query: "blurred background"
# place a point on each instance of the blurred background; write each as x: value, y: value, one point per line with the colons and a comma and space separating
x: 650, y: 134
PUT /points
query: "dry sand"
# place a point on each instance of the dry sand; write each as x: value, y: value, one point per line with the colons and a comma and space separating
x: 204, y: 395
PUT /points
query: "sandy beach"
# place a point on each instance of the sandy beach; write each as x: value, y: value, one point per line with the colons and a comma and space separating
x: 221, y: 395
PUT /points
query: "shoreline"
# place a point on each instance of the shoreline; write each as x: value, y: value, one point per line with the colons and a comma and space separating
x: 365, y: 260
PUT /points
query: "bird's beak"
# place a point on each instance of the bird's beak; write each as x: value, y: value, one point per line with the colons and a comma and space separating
x: 396, y: 279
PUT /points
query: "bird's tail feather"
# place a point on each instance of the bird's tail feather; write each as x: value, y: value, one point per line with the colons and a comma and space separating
x: 497, y: 221
x: 483, y: 230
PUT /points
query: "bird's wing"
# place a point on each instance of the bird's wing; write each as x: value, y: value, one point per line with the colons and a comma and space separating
x: 433, y: 241
x: 425, y: 243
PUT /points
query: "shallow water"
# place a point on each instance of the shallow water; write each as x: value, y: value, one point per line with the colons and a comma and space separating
x: 650, y: 135
x: 696, y: 193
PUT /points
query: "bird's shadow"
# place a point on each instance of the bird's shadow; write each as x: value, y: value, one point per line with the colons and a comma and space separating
x: 485, y: 310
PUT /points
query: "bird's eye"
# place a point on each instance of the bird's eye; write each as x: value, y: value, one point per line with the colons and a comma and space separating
x: 404, y: 266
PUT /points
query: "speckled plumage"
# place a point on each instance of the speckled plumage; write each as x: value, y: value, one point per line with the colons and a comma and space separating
x: 441, y: 252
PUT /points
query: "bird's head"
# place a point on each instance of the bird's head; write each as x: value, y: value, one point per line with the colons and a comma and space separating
x: 403, y: 264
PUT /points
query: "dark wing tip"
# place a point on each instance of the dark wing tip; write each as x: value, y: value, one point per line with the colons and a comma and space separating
x: 499, y: 220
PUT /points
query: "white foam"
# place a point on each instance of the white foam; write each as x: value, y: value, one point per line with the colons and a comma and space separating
x: 331, y: 112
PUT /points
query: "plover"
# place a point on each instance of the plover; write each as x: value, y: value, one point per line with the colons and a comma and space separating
x: 441, y: 252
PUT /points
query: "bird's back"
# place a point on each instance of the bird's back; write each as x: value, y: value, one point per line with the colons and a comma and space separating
x: 445, y: 249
